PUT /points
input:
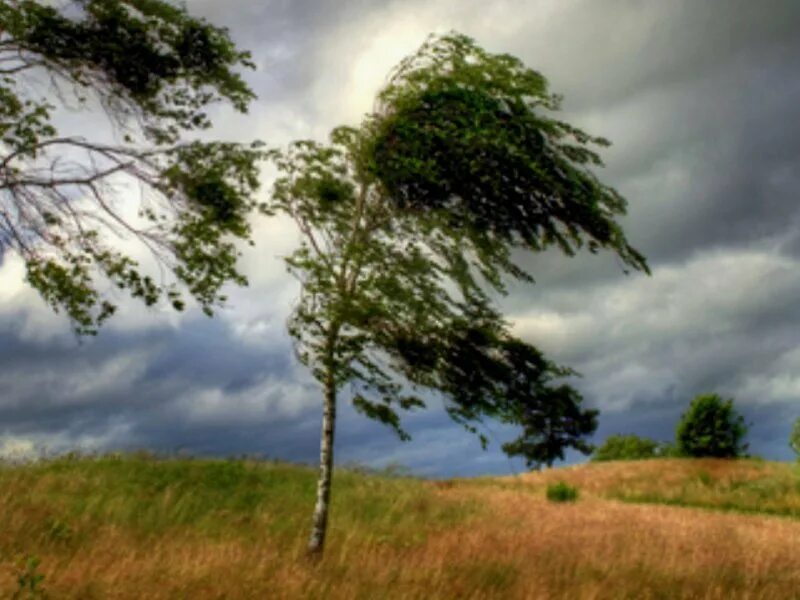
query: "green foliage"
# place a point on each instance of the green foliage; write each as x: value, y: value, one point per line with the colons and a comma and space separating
x: 711, y: 427
x: 408, y: 226
x: 470, y: 136
x: 626, y: 447
x: 794, y: 438
x: 148, y: 55
x: 561, y: 492
x: 152, y: 70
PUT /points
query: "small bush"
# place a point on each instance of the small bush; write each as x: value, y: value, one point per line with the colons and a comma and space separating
x: 29, y: 580
x: 711, y: 427
x: 626, y: 447
x: 562, y: 492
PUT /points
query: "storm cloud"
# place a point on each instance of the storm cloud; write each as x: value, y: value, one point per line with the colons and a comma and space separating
x: 702, y: 103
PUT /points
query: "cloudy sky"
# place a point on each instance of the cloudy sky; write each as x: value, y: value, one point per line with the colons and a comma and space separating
x: 702, y: 103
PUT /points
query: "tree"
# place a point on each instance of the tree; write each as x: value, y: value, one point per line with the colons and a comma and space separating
x: 151, y: 70
x: 626, y: 447
x: 408, y: 224
x: 794, y: 438
x: 711, y: 427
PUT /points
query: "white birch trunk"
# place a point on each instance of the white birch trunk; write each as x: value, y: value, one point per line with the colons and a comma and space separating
x: 319, y: 526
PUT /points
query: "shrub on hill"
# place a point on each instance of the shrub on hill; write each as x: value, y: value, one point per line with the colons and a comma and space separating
x: 562, y: 492
x: 711, y: 427
x: 627, y: 447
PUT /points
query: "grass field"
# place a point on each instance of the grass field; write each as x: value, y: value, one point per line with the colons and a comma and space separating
x: 137, y: 527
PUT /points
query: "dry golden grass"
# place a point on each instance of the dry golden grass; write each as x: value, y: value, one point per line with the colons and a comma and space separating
x: 738, y: 485
x: 509, y: 542
x: 601, y: 477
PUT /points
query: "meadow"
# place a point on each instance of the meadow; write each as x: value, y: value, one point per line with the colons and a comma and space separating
x: 135, y: 526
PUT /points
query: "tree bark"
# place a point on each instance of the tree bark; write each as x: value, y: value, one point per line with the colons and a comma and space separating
x: 319, y: 525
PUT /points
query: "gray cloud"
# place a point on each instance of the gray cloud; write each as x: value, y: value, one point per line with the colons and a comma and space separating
x: 702, y: 102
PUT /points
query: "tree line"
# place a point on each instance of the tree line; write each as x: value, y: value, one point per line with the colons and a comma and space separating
x: 710, y: 428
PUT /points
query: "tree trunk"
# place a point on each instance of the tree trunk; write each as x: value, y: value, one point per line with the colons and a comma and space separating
x: 319, y: 526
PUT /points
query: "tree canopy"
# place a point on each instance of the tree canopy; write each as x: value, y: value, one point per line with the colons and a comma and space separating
x: 470, y: 136
x: 711, y: 427
x: 152, y: 71
x: 408, y: 226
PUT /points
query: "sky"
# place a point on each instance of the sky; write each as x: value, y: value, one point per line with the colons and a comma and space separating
x: 702, y: 103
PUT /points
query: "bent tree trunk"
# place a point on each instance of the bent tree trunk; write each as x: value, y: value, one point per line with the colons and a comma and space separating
x: 319, y: 525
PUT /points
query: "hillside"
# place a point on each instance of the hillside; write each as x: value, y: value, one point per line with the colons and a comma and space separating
x: 137, y: 527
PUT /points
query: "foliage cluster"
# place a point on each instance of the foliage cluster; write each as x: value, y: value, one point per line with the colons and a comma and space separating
x: 470, y: 137
x: 627, y: 447
x: 153, y: 70
x: 711, y: 427
x: 561, y: 492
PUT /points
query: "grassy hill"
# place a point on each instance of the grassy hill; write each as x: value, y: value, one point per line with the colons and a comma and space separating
x: 138, y: 527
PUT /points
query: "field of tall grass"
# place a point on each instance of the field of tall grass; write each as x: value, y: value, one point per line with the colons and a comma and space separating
x: 745, y: 486
x: 139, y: 527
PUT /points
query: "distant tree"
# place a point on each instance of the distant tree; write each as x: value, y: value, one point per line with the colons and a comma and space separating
x: 711, y: 427
x: 626, y: 447
x: 150, y: 71
x: 794, y: 438
x: 408, y: 225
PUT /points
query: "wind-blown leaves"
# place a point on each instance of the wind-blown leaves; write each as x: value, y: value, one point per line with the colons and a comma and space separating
x: 152, y: 70
x: 470, y: 135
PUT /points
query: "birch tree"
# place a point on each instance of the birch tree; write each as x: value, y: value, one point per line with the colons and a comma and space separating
x: 409, y: 227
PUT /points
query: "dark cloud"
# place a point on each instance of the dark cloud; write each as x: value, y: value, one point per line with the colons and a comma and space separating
x: 629, y: 48
x: 702, y: 102
x: 131, y: 379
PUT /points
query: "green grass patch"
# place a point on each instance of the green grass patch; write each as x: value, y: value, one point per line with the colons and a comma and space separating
x: 60, y: 502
